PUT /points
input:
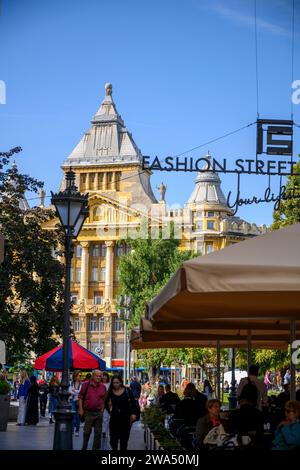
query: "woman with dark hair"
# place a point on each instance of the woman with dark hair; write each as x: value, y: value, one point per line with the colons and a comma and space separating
x: 207, y: 389
x: 106, y: 417
x: 53, y: 397
x: 74, y: 390
x: 32, y: 407
x: 120, y: 404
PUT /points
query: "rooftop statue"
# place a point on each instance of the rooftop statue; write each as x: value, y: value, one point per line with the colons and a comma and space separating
x: 162, y: 191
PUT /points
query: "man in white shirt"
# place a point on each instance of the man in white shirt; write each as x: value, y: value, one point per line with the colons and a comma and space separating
x: 262, y: 397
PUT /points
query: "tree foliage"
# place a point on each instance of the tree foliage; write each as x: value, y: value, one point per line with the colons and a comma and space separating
x: 271, y: 359
x: 288, y: 212
x: 142, y: 274
x: 31, y: 279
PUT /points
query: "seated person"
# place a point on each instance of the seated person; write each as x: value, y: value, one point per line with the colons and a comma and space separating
x: 211, y: 420
x: 169, y: 400
x: 159, y: 395
x: 246, y: 420
x: 186, y: 409
x: 226, y: 387
x: 287, y: 435
x: 186, y: 412
x: 283, y: 397
x: 201, y: 402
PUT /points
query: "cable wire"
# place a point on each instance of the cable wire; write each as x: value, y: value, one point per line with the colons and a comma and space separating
x: 293, y: 47
x: 178, y: 155
x: 256, y: 59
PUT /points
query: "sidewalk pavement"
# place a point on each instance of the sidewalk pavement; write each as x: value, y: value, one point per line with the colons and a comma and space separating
x: 40, y: 437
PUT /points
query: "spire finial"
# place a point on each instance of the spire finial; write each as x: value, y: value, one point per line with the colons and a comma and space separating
x: 208, y: 155
x: 108, y: 89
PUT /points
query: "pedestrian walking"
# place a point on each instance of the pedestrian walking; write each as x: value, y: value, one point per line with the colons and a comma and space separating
x: 22, y: 396
x: 53, y: 397
x: 287, y: 377
x: 207, y: 389
x: 74, y: 390
x: 120, y: 403
x: 106, y: 416
x: 16, y: 388
x: 136, y: 388
x: 262, y: 398
x: 43, y: 393
x: 267, y: 380
x: 91, y: 405
x: 32, y: 405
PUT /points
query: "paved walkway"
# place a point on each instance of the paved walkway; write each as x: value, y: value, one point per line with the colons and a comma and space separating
x: 40, y: 437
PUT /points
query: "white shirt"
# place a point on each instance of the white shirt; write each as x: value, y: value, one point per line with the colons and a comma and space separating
x: 75, y: 391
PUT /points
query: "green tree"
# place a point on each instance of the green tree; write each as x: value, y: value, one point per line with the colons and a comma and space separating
x: 288, y: 212
x: 146, y: 270
x: 271, y: 359
x: 142, y: 274
x: 31, y: 279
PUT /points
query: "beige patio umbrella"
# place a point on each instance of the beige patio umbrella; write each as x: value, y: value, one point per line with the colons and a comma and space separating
x: 254, y: 280
x: 164, y: 339
x: 219, y: 330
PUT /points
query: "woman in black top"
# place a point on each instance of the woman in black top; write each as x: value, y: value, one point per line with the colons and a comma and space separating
x: 120, y: 404
x: 32, y: 407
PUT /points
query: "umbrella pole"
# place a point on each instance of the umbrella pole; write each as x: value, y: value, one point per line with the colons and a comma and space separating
x: 218, y: 370
x: 292, y: 364
x: 249, y: 349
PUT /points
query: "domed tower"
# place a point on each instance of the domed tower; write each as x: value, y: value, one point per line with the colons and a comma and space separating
x: 213, y: 225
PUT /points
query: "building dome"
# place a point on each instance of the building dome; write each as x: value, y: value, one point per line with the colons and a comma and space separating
x: 208, y: 190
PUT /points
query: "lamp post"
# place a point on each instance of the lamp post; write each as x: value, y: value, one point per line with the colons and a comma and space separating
x: 124, y: 313
x: 72, y: 209
x: 232, y: 398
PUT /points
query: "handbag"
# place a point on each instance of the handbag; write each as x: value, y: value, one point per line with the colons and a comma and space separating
x: 82, y: 418
x: 136, y: 410
x: 214, y: 436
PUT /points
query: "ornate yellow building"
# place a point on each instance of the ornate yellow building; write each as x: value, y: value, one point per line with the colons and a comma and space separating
x: 108, y: 165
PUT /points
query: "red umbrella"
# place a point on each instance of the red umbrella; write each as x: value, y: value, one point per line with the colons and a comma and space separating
x: 79, y: 358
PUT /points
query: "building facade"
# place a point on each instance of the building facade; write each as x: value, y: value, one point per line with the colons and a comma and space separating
x: 108, y: 166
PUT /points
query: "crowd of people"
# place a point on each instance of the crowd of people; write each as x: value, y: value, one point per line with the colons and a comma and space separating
x: 103, y: 403
x: 265, y: 412
x: 262, y: 419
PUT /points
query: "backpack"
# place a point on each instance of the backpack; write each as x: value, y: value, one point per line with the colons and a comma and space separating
x: 250, y: 392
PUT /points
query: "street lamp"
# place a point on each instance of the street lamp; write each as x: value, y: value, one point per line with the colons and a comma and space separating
x: 72, y: 209
x: 232, y: 397
x: 124, y: 313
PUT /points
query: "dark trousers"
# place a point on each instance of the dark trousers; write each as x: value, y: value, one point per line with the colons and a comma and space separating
x: 93, y: 419
x: 43, y: 405
x: 119, y: 430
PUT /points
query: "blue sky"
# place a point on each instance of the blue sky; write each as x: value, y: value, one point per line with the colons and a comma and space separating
x: 183, y: 73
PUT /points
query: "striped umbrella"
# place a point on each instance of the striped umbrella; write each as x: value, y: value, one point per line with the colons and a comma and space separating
x: 79, y: 358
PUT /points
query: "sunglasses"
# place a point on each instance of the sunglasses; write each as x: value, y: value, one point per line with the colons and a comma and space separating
x: 288, y: 410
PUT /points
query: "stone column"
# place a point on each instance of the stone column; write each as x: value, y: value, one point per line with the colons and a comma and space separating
x: 109, y: 270
x: 83, y: 333
x: 105, y: 181
x: 84, y: 280
x: 87, y: 182
x: 114, y: 181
